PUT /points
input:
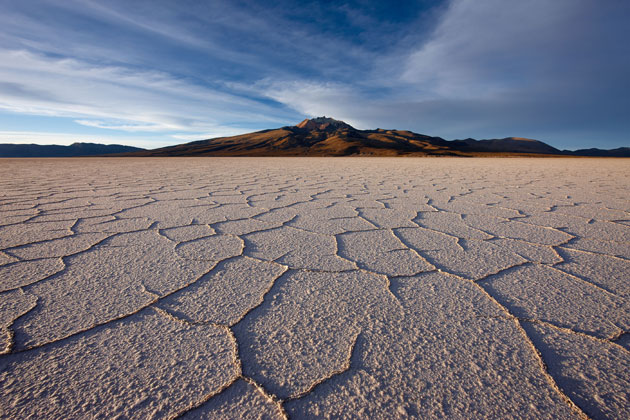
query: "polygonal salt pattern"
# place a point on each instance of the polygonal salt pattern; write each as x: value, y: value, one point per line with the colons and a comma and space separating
x: 314, y: 288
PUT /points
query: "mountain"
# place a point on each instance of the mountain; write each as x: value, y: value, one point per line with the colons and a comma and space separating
x: 619, y: 152
x: 329, y: 137
x: 321, y: 136
x: 506, y: 145
x: 75, y: 149
x: 324, y: 124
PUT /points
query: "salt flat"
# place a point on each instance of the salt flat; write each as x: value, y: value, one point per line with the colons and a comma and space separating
x: 315, y: 288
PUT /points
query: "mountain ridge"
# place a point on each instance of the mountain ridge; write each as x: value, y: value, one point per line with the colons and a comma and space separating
x: 53, y: 150
x: 324, y: 136
x: 321, y: 136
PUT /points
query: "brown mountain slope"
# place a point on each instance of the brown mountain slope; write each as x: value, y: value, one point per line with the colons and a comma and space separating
x: 329, y: 137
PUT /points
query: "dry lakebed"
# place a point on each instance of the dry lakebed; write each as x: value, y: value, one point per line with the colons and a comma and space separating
x: 377, y: 288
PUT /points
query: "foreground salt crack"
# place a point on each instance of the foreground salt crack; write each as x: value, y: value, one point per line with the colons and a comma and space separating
x: 314, y: 288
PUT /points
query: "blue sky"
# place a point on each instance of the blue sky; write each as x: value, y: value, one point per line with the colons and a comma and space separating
x: 154, y: 73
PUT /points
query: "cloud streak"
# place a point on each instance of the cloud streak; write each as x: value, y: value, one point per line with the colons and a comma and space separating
x: 117, y: 98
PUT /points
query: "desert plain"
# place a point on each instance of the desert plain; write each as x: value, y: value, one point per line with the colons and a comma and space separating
x: 380, y: 288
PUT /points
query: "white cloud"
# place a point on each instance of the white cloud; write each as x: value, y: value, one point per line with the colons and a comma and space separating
x: 219, y: 132
x: 119, y: 126
x: 489, y: 48
x: 116, y: 97
x: 314, y: 99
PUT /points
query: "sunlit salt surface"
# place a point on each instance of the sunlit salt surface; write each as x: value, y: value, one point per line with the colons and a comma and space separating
x: 315, y: 288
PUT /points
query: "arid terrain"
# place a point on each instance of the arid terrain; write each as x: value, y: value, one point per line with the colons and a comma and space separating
x: 319, y: 137
x: 297, y: 288
x: 324, y: 136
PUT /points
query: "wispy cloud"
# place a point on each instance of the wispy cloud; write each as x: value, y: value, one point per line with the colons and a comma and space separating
x: 121, y: 127
x: 116, y: 98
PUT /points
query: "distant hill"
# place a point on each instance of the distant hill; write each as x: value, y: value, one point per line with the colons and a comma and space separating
x: 506, y: 145
x: 329, y: 137
x: 619, y: 152
x: 75, y: 149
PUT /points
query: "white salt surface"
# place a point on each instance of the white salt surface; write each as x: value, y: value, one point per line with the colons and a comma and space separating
x: 314, y: 288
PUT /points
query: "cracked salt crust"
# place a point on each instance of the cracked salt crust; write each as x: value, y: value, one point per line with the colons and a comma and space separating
x: 560, y: 299
x: 242, y: 400
x: 439, y: 360
x: 225, y: 295
x: 381, y: 251
x: 24, y: 273
x: 593, y: 372
x: 608, y: 272
x: 327, y: 288
x: 146, y: 366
